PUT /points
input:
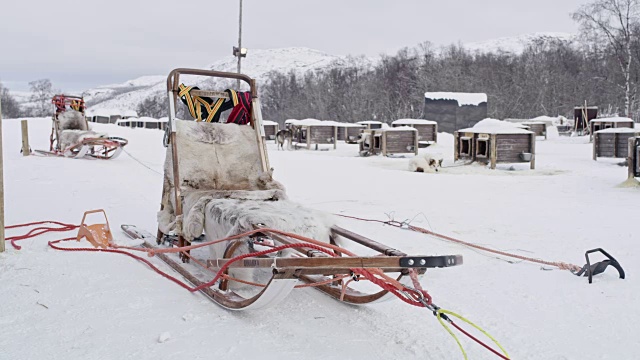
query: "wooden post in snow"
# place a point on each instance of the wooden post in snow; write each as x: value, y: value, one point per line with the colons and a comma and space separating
x: 493, y: 153
x: 1, y: 188
x: 630, y: 162
x: 26, y: 151
x: 533, y: 151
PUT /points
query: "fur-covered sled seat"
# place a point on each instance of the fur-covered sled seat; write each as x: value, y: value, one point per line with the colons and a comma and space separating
x: 224, y: 191
x: 73, y: 129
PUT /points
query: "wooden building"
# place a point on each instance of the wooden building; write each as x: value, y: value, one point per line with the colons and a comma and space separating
x: 493, y: 143
x: 309, y: 132
x: 349, y: 132
x: 537, y: 127
x: 270, y: 129
x: 453, y: 110
x: 598, y: 124
x: 389, y: 141
x: 582, y: 116
x: 613, y: 142
x: 427, y: 130
x: 371, y: 124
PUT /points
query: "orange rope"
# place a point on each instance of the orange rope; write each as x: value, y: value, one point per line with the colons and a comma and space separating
x: 558, y: 264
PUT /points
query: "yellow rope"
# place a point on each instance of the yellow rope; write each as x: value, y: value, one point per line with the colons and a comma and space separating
x: 452, y: 334
x: 442, y: 311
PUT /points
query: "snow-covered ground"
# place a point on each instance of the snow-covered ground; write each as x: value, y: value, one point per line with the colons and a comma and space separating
x: 66, y: 305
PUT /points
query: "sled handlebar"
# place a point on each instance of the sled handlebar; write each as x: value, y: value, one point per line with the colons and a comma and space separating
x: 173, y: 80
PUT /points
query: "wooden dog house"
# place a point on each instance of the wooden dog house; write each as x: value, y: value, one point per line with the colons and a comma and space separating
x: 349, y: 132
x: 493, y: 142
x: 309, y: 132
x: 270, y: 129
x: 613, y: 142
x: 609, y: 123
x: 537, y: 127
x: 371, y: 124
x: 427, y: 130
x: 390, y: 141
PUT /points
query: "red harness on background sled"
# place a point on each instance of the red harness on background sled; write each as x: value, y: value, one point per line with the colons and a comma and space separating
x: 208, y: 109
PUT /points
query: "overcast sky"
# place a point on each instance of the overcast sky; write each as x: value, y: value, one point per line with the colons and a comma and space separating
x: 82, y: 44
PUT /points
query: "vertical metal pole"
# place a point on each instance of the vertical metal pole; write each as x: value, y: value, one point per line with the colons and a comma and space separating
x: 1, y: 188
x: 239, y: 42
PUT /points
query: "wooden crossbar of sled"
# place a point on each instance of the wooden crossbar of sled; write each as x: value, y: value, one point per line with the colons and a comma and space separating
x: 303, y: 265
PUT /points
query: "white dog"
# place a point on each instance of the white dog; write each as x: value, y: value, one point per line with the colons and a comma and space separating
x: 426, y: 163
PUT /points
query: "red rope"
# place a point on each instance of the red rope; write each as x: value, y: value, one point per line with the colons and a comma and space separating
x: 51, y: 243
x: 478, y: 341
x: 37, y: 231
x: 408, y: 295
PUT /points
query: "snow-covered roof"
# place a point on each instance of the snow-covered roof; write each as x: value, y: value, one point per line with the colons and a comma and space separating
x: 291, y: 121
x: 269, y: 122
x: 315, y: 122
x: 400, y: 128
x: 462, y: 98
x: 494, y: 126
x: 368, y: 122
x: 413, y: 122
x: 619, y: 130
x: 532, y: 122
x: 147, y: 119
x: 545, y: 118
x: 107, y: 112
x: 612, y: 119
x: 101, y: 112
x: 164, y: 119
x: 342, y: 124
x: 130, y: 113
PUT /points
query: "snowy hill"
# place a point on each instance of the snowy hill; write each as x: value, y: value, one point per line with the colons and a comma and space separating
x: 517, y: 44
x: 257, y: 64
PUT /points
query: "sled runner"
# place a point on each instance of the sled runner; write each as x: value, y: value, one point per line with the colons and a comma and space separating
x: 70, y: 134
x: 218, y: 182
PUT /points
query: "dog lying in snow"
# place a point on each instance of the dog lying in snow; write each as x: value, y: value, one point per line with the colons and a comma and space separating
x: 282, y: 136
x: 426, y: 163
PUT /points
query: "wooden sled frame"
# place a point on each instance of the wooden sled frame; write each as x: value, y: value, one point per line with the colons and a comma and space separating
x: 313, y: 266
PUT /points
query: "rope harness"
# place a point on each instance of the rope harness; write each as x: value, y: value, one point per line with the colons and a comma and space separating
x: 415, y: 296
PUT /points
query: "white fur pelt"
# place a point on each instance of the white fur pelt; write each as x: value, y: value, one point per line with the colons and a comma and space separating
x: 426, y: 163
x: 227, y: 217
x: 72, y: 120
x: 195, y: 202
x: 72, y: 137
x: 212, y: 156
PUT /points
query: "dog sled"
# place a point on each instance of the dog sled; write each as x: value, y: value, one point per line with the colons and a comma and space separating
x: 71, y: 136
x: 223, y: 216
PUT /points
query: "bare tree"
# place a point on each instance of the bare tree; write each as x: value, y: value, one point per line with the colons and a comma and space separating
x: 41, y: 94
x: 10, y: 107
x: 613, y: 20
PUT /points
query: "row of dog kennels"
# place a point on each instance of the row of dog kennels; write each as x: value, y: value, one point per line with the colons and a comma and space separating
x: 408, y: 134
x: 144, y: 123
